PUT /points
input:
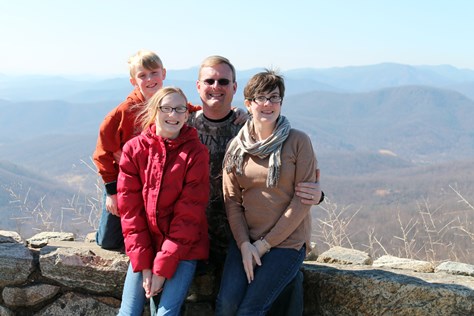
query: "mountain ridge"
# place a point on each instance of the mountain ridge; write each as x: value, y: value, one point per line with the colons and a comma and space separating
x: 349, y: 79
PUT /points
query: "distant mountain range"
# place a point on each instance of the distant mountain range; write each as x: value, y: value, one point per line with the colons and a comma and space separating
x: 387, y: 127
x: 415, y: 122
x: 337, y: 79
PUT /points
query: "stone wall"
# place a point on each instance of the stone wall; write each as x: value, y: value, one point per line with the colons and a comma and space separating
x: 51, y: 274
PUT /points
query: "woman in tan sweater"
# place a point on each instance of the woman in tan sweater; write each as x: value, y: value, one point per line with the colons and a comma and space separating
x: 270, y: 225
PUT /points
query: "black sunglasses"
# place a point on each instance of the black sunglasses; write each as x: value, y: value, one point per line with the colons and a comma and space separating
x: 221, y: 82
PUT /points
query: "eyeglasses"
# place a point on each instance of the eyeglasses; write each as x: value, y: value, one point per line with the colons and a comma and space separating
x: 221, y: 82
x: 261, y: 99
x: 169, y: 109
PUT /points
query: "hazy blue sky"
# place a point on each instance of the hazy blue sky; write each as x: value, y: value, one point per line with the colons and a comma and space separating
x: 98, y: 36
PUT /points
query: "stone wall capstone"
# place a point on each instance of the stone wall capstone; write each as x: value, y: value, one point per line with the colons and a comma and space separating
x: 64, y: 277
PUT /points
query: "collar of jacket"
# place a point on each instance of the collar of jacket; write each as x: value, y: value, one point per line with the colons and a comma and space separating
x: 186, y: 134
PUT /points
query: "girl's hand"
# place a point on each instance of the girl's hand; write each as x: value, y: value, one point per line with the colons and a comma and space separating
x: 157, y: 283
x: 146, y: 274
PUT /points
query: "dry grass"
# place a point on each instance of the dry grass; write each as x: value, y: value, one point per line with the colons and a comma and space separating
x: 431, y: 233
x: 80, y: 215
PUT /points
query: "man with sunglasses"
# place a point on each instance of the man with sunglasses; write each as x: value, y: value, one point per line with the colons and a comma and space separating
x: 216, y: 86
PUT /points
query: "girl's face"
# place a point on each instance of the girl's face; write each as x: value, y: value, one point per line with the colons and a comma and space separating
x: 264, y: 111
x: 148, y: 81
x: 171, y: 116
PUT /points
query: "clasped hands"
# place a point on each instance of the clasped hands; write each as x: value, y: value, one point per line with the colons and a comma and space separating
x: 152, y: 283
x: 251, y: 255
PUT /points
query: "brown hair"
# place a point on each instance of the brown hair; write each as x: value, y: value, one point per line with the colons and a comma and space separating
x: 264, y: 81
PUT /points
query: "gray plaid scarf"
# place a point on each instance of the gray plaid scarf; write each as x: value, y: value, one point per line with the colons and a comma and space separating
x: 243, y: 144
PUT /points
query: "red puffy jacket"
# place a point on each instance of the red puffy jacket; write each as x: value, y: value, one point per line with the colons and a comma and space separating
x: 163, y: 191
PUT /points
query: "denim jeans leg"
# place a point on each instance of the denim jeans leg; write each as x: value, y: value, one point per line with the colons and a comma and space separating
x: 176, y: 289
x: 290, y: 302
x: 109, y: 234
x: 133, y: 295
x: 278, y: 268
x: 233, y: 283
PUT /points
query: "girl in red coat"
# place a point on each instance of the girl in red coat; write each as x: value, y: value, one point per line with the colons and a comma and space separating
x: 163, y: 189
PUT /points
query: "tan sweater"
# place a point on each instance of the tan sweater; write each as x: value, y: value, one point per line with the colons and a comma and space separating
x: 276, y: 214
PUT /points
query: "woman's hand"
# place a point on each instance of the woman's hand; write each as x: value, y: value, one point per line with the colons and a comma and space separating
x: 262, y: 247
x: 250, y: 258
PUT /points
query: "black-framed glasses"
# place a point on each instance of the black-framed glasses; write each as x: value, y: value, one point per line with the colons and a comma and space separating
x: 261, y: 99
x: 221, y: 82
x: 169, y: 109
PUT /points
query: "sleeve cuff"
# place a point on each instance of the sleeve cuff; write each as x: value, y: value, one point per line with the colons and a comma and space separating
x: 322, y: 198
x: 111, y: 188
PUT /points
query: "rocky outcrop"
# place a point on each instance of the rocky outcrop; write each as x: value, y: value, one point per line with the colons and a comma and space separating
x: 84, y: 266
x: 17, y: 263
x: 78, y: 278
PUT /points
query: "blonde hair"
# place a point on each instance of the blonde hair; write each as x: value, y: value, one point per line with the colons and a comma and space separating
x: 217, y: 60
x: 145, y: 58
x: 148, y: 115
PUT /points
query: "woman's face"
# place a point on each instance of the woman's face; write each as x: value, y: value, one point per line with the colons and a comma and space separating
x: 263, y: 110
x: 168, y: 119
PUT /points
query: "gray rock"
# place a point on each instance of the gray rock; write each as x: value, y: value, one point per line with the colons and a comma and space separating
x: 90, y: 238
x: 10, y: 237
x: 356, y: 290
x: 72, y: 304
x: 29, y: 295
x: 313, y: 254
x: 342, y: 255
x: 16, y: 262
x: 456, y: 268
x: 84, y: 266
x: 5, y: 311
x: 403, y: 263
x: 43, y: 238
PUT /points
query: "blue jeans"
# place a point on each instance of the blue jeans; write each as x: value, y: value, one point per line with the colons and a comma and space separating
x: 109, y: 234
x: 133, y: 295
x: 174, y: 291
x: 290, y: 301
x: 237, y: 297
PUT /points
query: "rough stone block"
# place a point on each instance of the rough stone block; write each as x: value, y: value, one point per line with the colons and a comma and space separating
x: 16, y: 262
x: 85, y: 266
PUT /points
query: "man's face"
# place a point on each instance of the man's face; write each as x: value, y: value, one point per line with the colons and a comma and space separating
x: 214, y: 93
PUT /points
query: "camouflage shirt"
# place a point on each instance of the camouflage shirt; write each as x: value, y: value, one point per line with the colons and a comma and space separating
x: 215, y: 135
